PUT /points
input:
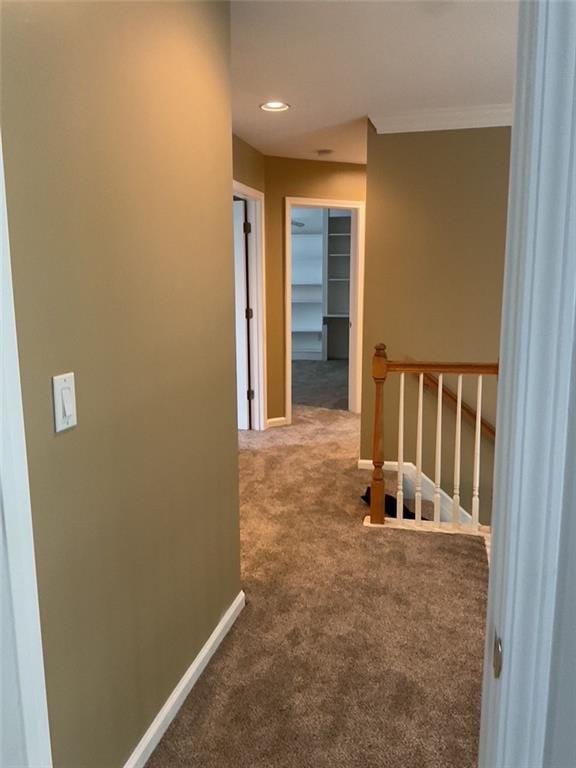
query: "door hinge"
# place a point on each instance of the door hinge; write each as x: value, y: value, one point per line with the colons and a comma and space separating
x: 249, y: 314
x: 247, y: 227
x: 250, y: 394
x: 497, y: 656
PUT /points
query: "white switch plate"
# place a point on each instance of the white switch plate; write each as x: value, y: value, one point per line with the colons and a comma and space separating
x: 64, y: 394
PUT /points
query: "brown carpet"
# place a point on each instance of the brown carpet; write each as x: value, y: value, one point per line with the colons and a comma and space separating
x: 358, y: 647
x: 320, y: 383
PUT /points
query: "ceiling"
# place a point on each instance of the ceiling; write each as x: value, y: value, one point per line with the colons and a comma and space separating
x: 407, y: 65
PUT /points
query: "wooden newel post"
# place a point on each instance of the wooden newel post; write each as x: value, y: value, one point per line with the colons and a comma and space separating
x: 378, y: 488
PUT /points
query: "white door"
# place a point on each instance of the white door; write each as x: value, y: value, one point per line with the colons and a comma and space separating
x: 24, y: 733
x: 242, y: 344
x: 528, y: 704
x: 12, y: 741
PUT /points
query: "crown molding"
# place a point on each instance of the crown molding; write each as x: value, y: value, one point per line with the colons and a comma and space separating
x: 487, y: 116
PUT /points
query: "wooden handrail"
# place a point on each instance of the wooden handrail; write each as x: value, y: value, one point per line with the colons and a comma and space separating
x: 449, y: 396
x: 381, y: 367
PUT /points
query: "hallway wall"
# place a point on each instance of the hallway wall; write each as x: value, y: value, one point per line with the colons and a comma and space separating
x: 249, y: 164
x: 435, y: 243
x: 116, y: 130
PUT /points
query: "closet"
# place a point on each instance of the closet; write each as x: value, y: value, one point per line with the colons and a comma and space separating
x: 321, y: 249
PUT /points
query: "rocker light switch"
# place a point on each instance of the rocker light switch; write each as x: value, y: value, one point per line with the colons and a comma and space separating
x: 64, y: 393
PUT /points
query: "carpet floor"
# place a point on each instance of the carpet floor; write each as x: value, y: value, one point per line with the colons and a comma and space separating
x: 320, y: 383
x: 358, y: 647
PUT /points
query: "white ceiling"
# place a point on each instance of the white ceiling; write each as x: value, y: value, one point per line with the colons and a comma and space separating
x: 407, y: 65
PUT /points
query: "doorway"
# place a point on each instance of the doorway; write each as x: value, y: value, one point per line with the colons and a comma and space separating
x: 248, y: 227
x: 324, y: 278
x: 321, y: 241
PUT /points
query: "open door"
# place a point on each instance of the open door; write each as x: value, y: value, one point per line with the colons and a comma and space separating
x: 24, y: 731
x: 244, y: 314
x: 529, y: 673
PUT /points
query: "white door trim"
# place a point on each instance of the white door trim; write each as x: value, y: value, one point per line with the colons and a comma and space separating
x: 16, y: 511
x: 358, y: 209
x: 535, y: 390
x: 257, y: 287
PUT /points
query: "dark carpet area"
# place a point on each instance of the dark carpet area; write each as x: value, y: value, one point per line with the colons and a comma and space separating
x: 320, y: 383
x: 358, y: 647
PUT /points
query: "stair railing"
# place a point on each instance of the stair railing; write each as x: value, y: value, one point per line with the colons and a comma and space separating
x: 431, y: 376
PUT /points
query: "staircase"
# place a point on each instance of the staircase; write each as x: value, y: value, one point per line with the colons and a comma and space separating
x: 401, y: 494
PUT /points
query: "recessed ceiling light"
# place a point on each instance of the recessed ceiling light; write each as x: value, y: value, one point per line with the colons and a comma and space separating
x: 274, y: 106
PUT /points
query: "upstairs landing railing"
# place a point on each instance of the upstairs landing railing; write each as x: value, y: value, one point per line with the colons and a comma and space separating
x: 431, y: 376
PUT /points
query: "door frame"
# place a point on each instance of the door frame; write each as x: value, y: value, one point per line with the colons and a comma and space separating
x: 530, y: 601
x: 257, y: 291
x: 16, y: 510
x: 357, y: 254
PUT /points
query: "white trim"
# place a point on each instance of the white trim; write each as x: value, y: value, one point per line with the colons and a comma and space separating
x: 243, y: 190
x: 257, y: 287
x: 16, y: 510
x: 487, y: 116
x: 389, y: 466
x: 158, y: 727
x: 536, y: 433
x: 277, y: 421
x: 427, y: 488
x: 357, y: 255
x: 429, y: 526
x: 287, y: 313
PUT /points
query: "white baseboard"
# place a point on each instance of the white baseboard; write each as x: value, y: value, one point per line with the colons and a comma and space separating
x: 389, y: 466
x: 306, y: 355
x: 277, y: 421
x: 430, y: 525
x: 427, y: 488
x: 151, y: 738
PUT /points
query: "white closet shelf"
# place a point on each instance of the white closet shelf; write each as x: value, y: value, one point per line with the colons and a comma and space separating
x: 307, y: 301
x: 316, y: 285
x: 339, y: 279
x: 334, y: 315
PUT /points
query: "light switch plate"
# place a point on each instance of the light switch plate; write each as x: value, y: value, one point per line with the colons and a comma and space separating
x: 64, y: 395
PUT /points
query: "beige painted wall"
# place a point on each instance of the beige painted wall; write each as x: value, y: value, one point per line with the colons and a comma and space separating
x: 286, y: 177
x: 435, y: 242
x: 249, y: 164
x: 116, y: 130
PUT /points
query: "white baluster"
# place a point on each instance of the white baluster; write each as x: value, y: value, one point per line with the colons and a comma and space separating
x: 476, y: 474
x: 456, y: 496
x: 418, y: 491
x: 438, y: 455
x: 400, y: 484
